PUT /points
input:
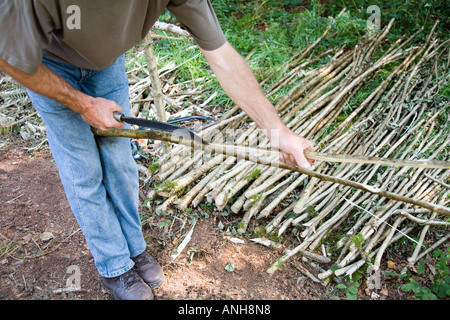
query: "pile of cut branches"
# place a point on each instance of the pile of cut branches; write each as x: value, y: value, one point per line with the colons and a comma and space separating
x: 378, y: 99
x: 16, y: 113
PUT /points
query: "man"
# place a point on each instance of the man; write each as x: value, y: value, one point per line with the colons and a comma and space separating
x: 70, y: 57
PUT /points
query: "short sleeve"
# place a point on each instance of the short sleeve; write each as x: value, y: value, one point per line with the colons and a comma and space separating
x: 200, y: 20
x: 25, y: 29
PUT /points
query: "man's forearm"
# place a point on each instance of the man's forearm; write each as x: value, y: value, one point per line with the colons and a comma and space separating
x: 239, y: 83
x: 96, y: 111
x: 49, y: 84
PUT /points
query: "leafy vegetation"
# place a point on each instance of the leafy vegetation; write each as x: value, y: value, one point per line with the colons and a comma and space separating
x: 439, y: 288
x: 268, y: 32
x: 350, y: 286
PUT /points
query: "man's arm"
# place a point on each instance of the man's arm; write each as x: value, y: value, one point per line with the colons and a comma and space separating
x: 98, y: 112
x: 239, y: 83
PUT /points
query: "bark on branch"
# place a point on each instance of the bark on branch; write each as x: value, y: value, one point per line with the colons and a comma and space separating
x: 265, y: 160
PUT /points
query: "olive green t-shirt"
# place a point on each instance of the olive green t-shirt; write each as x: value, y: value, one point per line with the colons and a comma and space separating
x: 91, y: 34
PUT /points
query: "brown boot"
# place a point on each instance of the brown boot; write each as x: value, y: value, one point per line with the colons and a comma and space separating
x: 128, y: 286
x: 149, y: 269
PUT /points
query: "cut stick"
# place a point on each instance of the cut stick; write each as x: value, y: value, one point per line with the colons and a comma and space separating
x: 270, y: 161
x: 156, y: 83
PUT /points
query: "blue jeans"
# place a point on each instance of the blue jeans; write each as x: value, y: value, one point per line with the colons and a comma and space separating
x: 99, y: 174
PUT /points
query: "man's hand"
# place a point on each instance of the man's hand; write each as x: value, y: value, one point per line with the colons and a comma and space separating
x: 292, y: 147
x: 98, y: 112
x: 238, y: 81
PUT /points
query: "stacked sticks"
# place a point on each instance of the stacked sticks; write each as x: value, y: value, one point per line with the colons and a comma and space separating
x: 402, y: 117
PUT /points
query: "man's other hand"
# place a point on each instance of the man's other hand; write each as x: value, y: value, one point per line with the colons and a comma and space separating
x: 292, y: 147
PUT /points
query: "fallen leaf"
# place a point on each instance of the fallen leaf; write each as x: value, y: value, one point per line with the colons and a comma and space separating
x: 391, y: 264
x: 229, y: 267
x: 235, y: 240
x: 46, y: 236
x: 384, y: 292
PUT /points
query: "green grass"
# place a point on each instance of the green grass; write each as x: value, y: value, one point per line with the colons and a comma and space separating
x: 409, y: 15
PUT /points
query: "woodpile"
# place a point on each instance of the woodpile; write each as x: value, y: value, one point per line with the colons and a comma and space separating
x: 403, y: 117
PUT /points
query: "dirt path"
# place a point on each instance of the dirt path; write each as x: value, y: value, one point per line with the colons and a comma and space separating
x: 41, y: 246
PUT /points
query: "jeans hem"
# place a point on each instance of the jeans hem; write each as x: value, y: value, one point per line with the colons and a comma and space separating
x: 118, y: 272
x: 139, y: 252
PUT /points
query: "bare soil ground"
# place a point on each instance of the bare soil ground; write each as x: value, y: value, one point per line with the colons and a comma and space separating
x: 40, y: 240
